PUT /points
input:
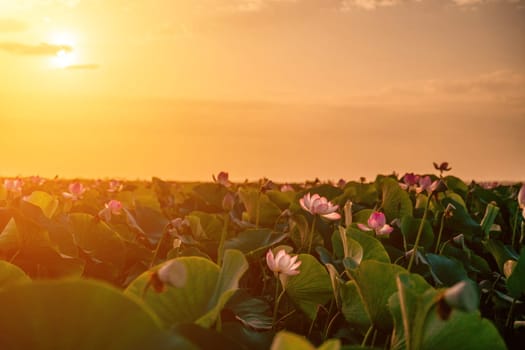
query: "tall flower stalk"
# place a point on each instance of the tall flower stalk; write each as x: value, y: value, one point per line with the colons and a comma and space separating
x: 419, y: 234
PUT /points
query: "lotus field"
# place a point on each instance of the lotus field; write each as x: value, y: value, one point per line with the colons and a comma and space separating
x: 419, y: 261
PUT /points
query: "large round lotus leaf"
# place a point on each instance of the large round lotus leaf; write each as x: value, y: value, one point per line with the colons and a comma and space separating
x: 98, y: 240
x: 73, y: 314
x: 11, y: 274
x: 44, y: 201
x: 311, y: 287
x: 461, y: 331
x: 255, y: 201
x: 410, y: 228
x: 396, y: 202
x: 254, y: 242
x: 287, y: 341
x: 376, y: 282
x: 353, y: 308
x: 372, y: 247
x: 185, y: 304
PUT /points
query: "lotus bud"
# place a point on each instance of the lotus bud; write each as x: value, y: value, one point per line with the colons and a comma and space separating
x: 438, y: 186
x: 222, y: 179
x: 228, y: 202
x: 347, y: 209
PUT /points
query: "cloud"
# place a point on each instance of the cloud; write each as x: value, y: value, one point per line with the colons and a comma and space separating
x: 43, y: 49
x: 476, y: 2
x: 87, y: 66
x: 8, y: 25
x: 498, y: 83
x: 504, y: 88
x: 347, y: 5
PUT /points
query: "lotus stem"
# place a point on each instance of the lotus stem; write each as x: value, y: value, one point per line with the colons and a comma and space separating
x: 220, y: 249
x: 419, y: 233
x: 258, y: 210
x: 311, y: 236
x: 330, y: 324
x: 441, y: 226
x: 508, y: 323
x: 367, y: 335
x: 157, y: 249
x: 277, y: 301
x: 514, y: 227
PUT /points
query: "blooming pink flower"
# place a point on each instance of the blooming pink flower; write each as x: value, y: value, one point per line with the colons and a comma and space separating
x: 37, y: 180
x: 425, y: 184
x: 76, y: 191
x: 287, y: 188
x: 114, y: 186
x: 315, y: 204
x: 14, y: 185
x: 377, y: 223
x: 113, y: 207
x: 410, y: 182
x: 282, y: 263
x: 222, y: 179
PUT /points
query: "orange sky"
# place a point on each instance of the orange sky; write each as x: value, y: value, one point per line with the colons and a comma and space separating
x: 288, y: 89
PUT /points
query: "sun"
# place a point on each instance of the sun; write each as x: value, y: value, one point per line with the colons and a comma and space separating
x: 64, y: 58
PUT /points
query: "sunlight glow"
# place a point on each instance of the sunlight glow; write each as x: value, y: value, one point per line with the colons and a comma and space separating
x: 64, y: 58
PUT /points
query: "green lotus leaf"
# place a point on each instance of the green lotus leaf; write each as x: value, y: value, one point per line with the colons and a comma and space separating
x: 376, y: 282
x: 311, y: 287
x: 73, y: 314
x: 206, y: 291
x: 396, y: 201
x: 11, y: 274
x: 290, y: 341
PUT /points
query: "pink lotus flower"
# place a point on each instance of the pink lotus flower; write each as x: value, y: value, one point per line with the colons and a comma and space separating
x: 113, y: 207
x: 37, y: 180
x: 426, y: 184
x: 315, y: 204
x: 410, y: 182
x: 377, y: 223
x: 282, y: 263
x: 76, y: 191
x: 114, y: 186
x: 287, y: 188
x: 222, y: 179
x: 14, y: 186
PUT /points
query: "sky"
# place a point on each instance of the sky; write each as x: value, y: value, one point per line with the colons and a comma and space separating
x: 286, y: 89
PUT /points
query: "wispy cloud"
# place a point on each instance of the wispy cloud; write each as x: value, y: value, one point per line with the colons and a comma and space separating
x: 43, y: 49
x: 87, y: 66
x: 497, y: 84
x: 504, y: 88
x: 9, y: 25
x: 478, y: 2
